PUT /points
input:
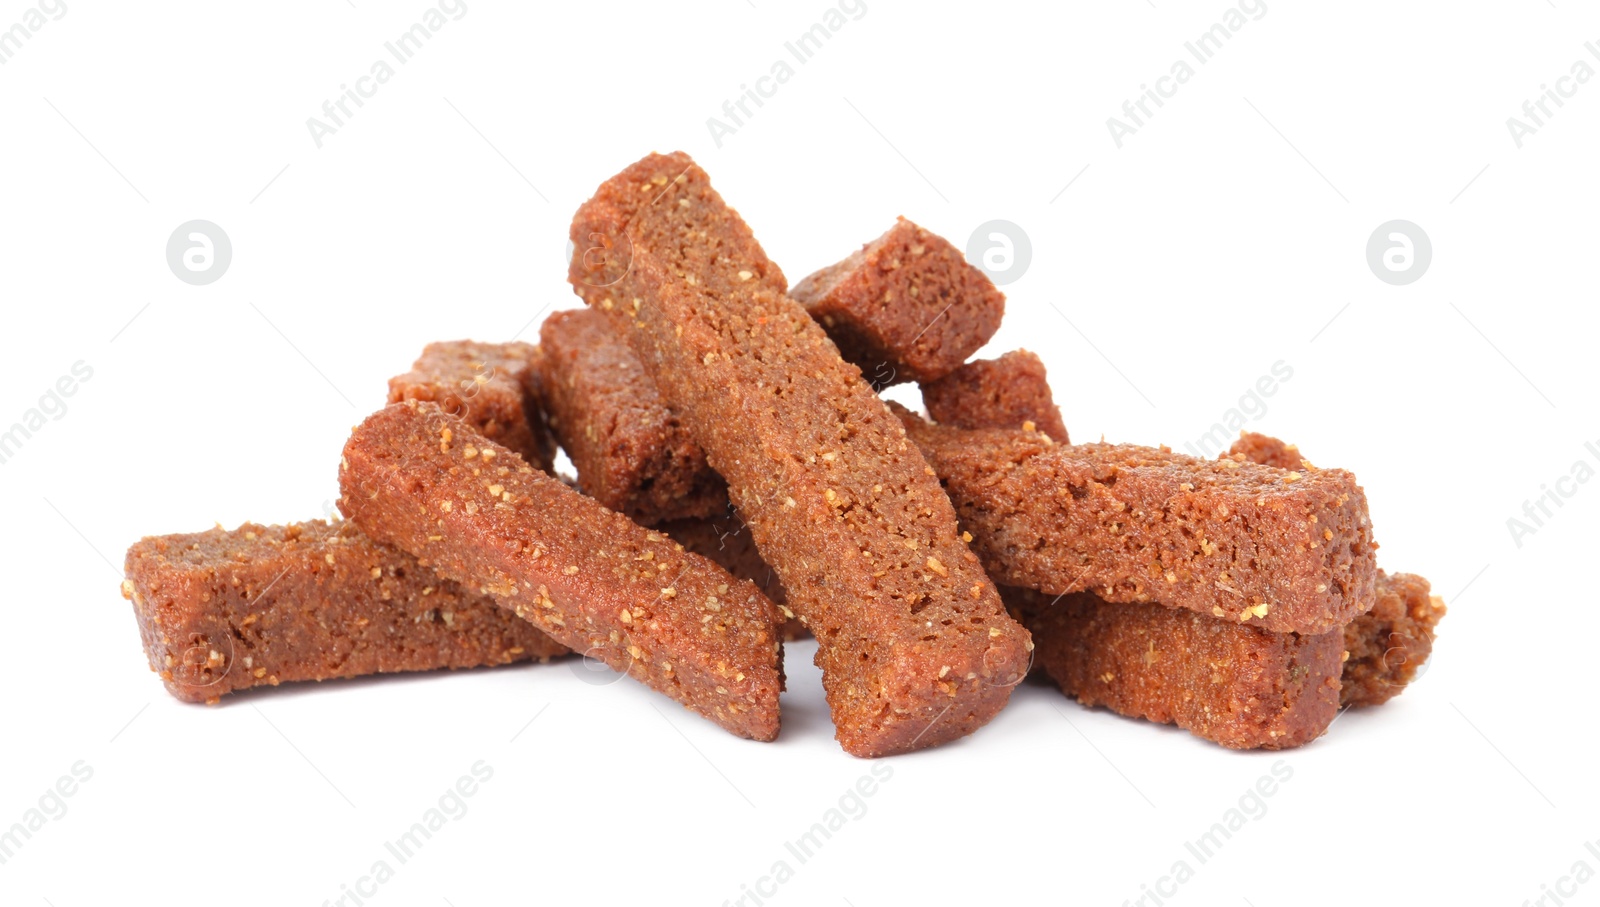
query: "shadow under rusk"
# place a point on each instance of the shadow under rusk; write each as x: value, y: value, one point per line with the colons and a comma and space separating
x: 1040, y: 690
x: 298, y: 688
x: 806, y: 718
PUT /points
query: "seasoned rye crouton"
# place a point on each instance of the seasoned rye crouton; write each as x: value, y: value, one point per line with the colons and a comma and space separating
x: 495, y: 387
x: 1288, y: 551
x: 595, y: 581
x: 631, y: 451
x: 1009, y: 392
x: 221, y: 611
x: 1240, y: 686
x: 915, y: 646
x: 1389, y: 644
x: 905, y: 307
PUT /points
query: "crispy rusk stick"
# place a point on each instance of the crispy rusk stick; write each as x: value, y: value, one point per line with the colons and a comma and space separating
x: 631, y: 451
x: 905, y: 307
x: 424, y: 481
x: 1240, y: 686
x: 1388, y: 645
x: 1009, y: 392
x: 727, y: 541
x: 222, y: 611
x: 914, y: 643
x: 1283, y: 550
x: 1236, y: 685
x: 1266, y: 450
x: 495, y: 387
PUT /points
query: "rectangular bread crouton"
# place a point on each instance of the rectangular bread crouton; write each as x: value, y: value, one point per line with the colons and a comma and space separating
x: 1240, y: 686
x: 631, y: 451
x: 221, y: 611
x: 1009, y: 392
x: 1389, y: 644
x: 595, y: 581
x: 1284, y: 550
x: 914, y: 643
x: 905, y: 307
x: 495, y: 387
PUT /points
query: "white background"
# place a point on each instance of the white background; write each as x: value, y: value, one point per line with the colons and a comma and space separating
x: 1226, y: 235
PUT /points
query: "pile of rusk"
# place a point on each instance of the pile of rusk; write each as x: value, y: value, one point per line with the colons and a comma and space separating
x: 740, y: 483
